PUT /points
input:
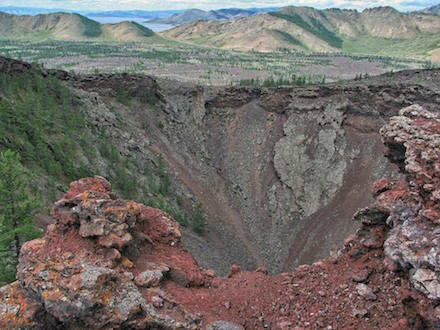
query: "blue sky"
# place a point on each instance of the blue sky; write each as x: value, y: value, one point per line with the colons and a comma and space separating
x: 208, y: 4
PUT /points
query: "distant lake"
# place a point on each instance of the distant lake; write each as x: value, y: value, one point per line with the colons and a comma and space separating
x: 153, y: 26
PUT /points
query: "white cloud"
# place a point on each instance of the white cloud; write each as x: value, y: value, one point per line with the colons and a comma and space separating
x: 207, y: 4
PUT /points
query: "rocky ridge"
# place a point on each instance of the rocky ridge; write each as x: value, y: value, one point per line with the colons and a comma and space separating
x: 109, y: 263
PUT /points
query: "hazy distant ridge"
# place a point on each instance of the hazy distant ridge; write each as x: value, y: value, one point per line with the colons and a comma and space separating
x: 191, y: 15
x: 434, y: 10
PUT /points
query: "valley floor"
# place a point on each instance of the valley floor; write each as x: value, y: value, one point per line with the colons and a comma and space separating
x: 200, y: 65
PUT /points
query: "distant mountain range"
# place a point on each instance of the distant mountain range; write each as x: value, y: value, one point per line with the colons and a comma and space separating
x: 133, y: 14
x: 30, y: 10
x: 67, y: 26
x: 434, y: 10
x: 381, y: 30
x: 377, y: 31
x: 173, y: 17
x: 212, y: 15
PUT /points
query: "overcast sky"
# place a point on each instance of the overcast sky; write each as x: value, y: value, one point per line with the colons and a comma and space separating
x: 208, y: 4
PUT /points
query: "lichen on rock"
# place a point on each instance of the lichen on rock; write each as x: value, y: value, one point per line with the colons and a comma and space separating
x: 78, y: 275
x: 413, y: 139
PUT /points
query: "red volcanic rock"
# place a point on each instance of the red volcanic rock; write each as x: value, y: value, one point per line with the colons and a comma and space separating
x: 109, y: 263
x: 413, y: 139
x: 431, y: 215
x: 89, y: 185
x: 235, y: 269
x: 149, y: 278
x: 381, y: 186
x: 80, y: 274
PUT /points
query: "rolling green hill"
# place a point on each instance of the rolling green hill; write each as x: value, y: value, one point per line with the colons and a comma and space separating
x: 63, y: 26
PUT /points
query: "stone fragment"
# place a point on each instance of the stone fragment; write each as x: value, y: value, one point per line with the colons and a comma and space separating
x: 431, y: 215
x: 149, y: 278
x: 210, y: 273
x: 91, y: 227
x: 91, y: 275
x: 381, y: 186
x: 360, y: 312
x: 223, y: 325
x: 371, y: 216
x: 365, y: 292
x: 112, y: 240
x: 113, y: 255
x: 361, y: 276
x: 157, y: 301
x: 426, y: 281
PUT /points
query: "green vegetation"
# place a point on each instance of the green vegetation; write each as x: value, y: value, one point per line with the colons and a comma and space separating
x: 43, y: 122
x: 198, y: 219
x: 315, y: 27
x: 92, y: 28
x: 292, y: 81
x: 419, y: 47
x: 361, y: 76
x: 161, y: 193
x: 38, y: 120
x: 17, y: 209
x: 289, y: 38
x: 211, y: 66
x: 146, y: 32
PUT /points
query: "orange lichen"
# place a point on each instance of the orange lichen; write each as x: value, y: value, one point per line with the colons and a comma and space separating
x: 127, y: 263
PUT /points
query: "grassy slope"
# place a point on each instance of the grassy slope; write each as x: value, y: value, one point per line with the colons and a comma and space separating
x: 418, y: 48
x: 92, y: 29
x: 289, y: 38
x: 315, y: 27
x: 146, y: 32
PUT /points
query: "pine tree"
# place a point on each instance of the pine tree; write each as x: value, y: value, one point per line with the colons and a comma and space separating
x: 17, y: 210
x: 198, y: 219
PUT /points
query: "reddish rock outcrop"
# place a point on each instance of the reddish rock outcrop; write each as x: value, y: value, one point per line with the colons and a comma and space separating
x: 94, y: 268
x: 109, y: 263
x: 413, y: 139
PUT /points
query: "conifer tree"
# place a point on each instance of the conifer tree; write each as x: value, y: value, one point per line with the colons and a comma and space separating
x: 17, y: 210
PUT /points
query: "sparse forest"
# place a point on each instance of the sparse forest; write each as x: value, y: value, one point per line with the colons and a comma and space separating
x: 42, y: 122
x: 17, y: 210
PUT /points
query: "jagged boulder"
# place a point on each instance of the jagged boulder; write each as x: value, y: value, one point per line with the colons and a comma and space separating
x: 413, y: 140
x: 80, y: 275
